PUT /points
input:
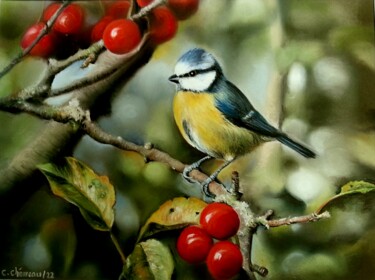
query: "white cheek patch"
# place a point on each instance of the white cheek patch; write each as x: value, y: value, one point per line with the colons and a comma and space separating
x: 200, y: 82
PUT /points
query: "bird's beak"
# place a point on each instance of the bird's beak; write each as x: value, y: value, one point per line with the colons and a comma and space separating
x: 173, y: 79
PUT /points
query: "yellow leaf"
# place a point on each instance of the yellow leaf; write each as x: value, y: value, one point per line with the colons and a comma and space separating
x: 173, y: 214
x: 77, y: 183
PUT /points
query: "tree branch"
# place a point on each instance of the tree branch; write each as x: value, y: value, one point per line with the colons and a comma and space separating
x: 149, y: 153
x: 73, y: 113
x: 56, y: 137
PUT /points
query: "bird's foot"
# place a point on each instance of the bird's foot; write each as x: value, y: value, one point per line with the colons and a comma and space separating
x: 195, y: 165
x: 186, y: 172
x: 205, y: 187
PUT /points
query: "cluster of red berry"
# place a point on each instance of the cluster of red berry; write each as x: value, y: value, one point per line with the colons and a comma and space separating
x: 119, y: 33
x: 65, y: 32
x: 196, y: 244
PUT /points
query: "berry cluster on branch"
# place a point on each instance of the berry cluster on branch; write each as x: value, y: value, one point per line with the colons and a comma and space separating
x: 120, y: 28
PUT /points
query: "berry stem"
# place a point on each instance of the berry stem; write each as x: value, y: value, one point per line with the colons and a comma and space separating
x: 118, y: 247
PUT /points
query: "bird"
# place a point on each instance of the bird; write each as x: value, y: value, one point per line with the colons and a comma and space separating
x: 215, y: 117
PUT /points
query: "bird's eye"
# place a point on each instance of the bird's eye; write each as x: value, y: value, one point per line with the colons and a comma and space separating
x: 192, y: 73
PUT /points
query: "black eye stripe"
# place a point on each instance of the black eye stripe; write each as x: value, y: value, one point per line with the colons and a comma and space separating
x: 197, y: 72
x: 192, y: 73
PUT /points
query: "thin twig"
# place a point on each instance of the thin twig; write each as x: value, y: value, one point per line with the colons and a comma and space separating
x: 235, y: 185
x: 261, y: 270
x: 146, y: 10
x: 264, y: 221
x: 250, y: 265
x: 83, y: 82
x: 57, y: 66
x: 95, y: 77
x: 26, y: 51
x: 298, y: 220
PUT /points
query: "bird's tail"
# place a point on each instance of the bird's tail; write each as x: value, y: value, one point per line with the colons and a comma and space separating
x: 299, y: 148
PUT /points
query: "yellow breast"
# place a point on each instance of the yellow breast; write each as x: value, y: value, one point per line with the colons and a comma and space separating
x: 204, y: 127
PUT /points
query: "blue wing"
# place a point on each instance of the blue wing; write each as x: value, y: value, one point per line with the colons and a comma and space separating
x: 237, y: 109
x: 234, y: 105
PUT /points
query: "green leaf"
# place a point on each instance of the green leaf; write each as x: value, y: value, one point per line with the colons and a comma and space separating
x: 149, y: 260
x: 351, y: 191
x: 77, y: 183
x: 173, y: 214
x: 357, y: 187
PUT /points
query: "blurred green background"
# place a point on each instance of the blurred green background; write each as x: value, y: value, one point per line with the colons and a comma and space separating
x: 308, y: 66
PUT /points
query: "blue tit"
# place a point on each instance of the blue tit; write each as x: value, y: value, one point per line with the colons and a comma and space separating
x: 215, y: 117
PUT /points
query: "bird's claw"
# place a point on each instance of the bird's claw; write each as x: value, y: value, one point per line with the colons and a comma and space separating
x: 205, y: 187
x: 195, y: 165
x: 205, y: 184
x: 186, y: 173
x: 191, y: 167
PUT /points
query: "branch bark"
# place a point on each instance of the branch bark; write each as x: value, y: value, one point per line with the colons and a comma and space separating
x: 56, y: 136
x: 149, y: 153
x: 298, y: 220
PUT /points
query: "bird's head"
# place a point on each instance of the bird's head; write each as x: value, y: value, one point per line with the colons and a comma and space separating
x: 196, y: 70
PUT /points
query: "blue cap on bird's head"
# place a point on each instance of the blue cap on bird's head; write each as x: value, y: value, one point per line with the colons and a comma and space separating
x: 196, y: 71
x: 196, y: 59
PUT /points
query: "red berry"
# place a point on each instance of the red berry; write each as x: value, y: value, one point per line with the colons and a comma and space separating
x: 183, y: 9
x: 224, y: 260
x: 50, y: 11
x: 163, y: 25
x: 144, y: 3
x: 121, y: 36
x: 98, y: 29
x: 193, y: 244
x: 220, y: 220
x: 45, y: 47
x: 118, y: 9
x: 70, y: 21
